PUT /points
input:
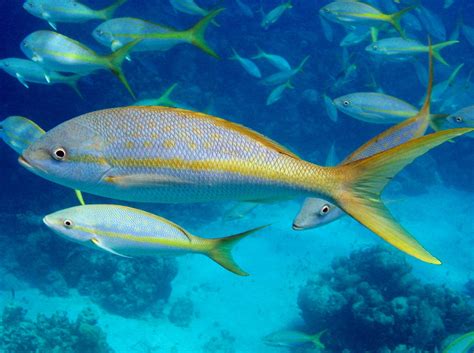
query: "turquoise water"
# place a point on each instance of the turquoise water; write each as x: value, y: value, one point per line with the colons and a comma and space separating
x: 341, y: 278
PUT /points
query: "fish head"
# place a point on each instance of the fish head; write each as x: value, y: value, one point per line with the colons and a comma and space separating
x: 328, y: 12
x: 347, y: 104
x: 375, y: 48
x: 71, y: 154
x: 33, y: 7
x: 103, y: 35
x: 314, y: 213
x: 75, y: 224
x: 461, y: 119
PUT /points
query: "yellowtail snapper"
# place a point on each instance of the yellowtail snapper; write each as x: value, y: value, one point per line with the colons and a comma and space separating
x: 71, y: 11
x: 57, y: 52
x: 117, y: 32
x: 26, y: 71
x: 130, y: 232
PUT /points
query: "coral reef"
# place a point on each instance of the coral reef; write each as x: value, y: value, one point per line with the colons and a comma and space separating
x: 55, y: 334
x: 223, y: 343
x: 122, y: 286
x: 181, y: 312
x: 370, y: 302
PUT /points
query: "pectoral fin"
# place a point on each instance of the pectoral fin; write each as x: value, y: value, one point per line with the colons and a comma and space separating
x: 100, y: 245
x: 22, y: 80
x: 145, y: 180
x: 46, y: 77
x: 53, y: 25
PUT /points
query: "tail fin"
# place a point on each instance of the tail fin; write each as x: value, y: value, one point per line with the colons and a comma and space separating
x: 196, y: 33
x: 115, y: 63
x: 365, y: 179
x: 316, y: 339
x: 396, y: 17
x: 260, y: 54
x: 109, y: 11
x: 300, y: 66
x: 73, y: 83
x: 165, y: 97
x: 437, y: 48
x: 221, y: 251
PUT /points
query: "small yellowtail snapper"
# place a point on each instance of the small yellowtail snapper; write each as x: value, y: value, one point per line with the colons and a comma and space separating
x: 130, y: 232
x: 356, y: 13
x: 274, y: 15
x: 276, y: 61
x: 292, y: 338
x: 163, y: 100
x: 117, y: 32
x: 248, y: 65
x: 168, y: 155
x: 283, y: 76
x: 462, y: 118
x: 19, y: 133
x: 316, y: 212
x: 71, y: 11
x: 56, y: 52
x: 189, y: 7
x: 400, y: 48
x: 26, y: 71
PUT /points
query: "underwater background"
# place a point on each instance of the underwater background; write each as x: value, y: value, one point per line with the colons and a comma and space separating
x: 59, y: 297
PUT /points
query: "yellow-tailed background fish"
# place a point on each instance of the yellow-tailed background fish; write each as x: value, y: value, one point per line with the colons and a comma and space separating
x: 130, y: 232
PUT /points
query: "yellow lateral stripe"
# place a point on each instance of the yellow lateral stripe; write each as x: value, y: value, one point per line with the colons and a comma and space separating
x: 140, y: 239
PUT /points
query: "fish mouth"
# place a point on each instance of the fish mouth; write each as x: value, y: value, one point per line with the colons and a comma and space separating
x: 296, y: 227
x: 47, y: 221
x: 24, y: 163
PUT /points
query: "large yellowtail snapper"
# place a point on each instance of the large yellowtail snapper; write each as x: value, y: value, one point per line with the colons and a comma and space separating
x: 56, y: 52
x: 117, y: 32
x: 130, y: 232
x: 54, y: 11
x: 160, y: 154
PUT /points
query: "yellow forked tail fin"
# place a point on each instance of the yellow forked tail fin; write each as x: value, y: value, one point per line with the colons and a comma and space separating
x: 115, y: 61
x: 221, y: 251
x: 109, y: 11
x: 395, y: 18
x: 196, y: 33
x: 363, y: 181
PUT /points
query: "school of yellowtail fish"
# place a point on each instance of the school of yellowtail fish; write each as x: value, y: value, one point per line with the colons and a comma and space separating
x: 154, y: 152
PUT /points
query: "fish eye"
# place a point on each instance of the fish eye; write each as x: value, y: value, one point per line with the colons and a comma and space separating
x: 375, y: 47
x: 458, y: 119
x: 67, y: 223
x: 346, y: 103
x: 324, y: 210
x: 59, y: 154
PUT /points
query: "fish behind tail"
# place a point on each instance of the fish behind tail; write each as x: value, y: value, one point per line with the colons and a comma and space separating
x: 108, y: 12
x: 220, y: 250
x: 195, y: 35
x: 361, y: 182
x: 115, y: 61
x: 395, y: 18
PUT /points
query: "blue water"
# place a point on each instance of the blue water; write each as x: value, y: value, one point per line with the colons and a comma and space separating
x: 341, y: 278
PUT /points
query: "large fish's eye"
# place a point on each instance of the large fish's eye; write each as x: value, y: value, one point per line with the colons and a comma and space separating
x: 375, y: 47
x: 67, y: 223
x: 458, y: 119
x: 346, y: 103
x: 59, y: 154
x: 324, y: 210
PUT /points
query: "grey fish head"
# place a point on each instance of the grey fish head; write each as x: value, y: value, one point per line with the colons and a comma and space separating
x: 102, y: 35
x: 328, y: 12
x: 375, y: 48
x: 316, y: 212
x: 347, y: 104
x: 71, y: 154
x: 463, y: 118
x: 71, y: 224
x: 33, y: 7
